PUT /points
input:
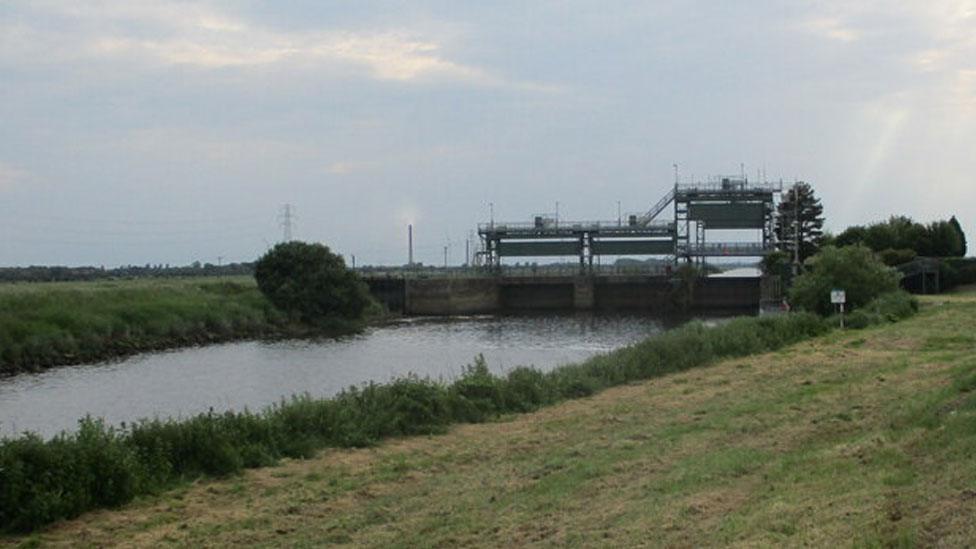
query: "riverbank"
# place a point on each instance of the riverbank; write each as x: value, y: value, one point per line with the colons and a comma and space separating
x: 859, y: 435
x: 45, y: 480
x: 52, y: 324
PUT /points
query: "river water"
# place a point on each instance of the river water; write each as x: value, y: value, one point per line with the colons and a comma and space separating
x: 255, y: 374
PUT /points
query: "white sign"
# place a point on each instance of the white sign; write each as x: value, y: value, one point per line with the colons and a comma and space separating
x: 838, y: 296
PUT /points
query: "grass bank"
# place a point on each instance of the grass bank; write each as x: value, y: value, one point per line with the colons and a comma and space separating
x: 861, y: 437
x: 50, y: 324
x: 44, y: 481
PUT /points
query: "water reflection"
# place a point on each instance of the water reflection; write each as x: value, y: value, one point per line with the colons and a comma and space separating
x: 255, y: 374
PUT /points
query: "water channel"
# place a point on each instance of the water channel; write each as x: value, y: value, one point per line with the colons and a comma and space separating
x: 255, y: 374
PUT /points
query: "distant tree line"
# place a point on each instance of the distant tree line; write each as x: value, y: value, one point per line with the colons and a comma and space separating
x: 897, y: 242
x: 71, y: 274
x: 900, y: 239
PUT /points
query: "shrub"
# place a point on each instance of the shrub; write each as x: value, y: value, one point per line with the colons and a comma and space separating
x: 892, y: 257
x: 476, y: 394
x: 311, y: 283
x: 957, y: 272
x: 889, y: 307
x: 854, y: 269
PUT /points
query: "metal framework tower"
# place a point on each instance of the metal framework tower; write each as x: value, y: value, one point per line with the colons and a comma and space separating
x: 725, y: 203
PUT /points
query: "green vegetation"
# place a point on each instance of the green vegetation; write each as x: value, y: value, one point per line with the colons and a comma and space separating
x: 43, y: 325
x: 854, y: 269
x: 311, y: 284
x: 308, y: 289
x: 44, y: 481
x: 62, y: 273
x: 957, y: 271
x: 860, y: 438
x: 799, y: 218
x: 900, y: 238
x: 889, y: 307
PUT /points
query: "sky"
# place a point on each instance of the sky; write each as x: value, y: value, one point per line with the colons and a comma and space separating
x: 167, y: 131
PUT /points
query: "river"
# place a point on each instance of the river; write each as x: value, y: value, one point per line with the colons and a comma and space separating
x: 255, y: 374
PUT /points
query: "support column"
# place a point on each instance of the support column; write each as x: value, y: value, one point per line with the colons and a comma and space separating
x: 582, y: 252
x: 589, y: 248
x: 583, y: 295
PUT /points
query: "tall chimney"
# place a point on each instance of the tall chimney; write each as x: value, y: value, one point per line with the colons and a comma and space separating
x: 410, y: 244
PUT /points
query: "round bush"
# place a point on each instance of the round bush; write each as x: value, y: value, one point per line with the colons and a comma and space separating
x: 854, y: 269
x: 310, y: 283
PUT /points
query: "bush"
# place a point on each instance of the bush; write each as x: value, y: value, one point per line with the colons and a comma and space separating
x: 889, y: 307
x: 893, y: 258
x: 854, y: 269
x: 311, y: 284
x: 957, y: 272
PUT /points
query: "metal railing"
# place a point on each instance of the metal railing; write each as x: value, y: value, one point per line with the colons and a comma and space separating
x: 728, y: 248
x: 521, y: 271
x: 733, y: 186
x: 657, y: 209
x: 564, y: 225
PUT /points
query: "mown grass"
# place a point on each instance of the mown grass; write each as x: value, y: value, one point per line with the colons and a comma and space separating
x: 43, y: 325
x: 101, y: 466
x: 858, y: 438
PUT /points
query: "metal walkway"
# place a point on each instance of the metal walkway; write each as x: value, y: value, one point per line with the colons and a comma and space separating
x: 726, y: 203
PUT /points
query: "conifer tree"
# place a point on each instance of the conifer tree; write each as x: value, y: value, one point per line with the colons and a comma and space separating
x: 800, y: 210
x: 961, y: 252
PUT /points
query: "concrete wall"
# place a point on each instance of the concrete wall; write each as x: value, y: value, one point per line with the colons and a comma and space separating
x: 643, y: 294
x: 454, y: 296
x: 537, y: 297
x: 389, y: 291
x: 727, y: 293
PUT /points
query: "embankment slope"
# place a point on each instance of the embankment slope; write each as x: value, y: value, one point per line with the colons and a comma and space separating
x: 863, y: 436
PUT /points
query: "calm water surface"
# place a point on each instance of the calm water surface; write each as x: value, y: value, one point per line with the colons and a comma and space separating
x: 255, y: 374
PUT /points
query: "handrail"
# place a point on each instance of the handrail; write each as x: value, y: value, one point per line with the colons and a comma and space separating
x: 657, y: 209
x: 566, y: 225
x: 727, y: 248
x: 734, y: 186
x: 374, y: 273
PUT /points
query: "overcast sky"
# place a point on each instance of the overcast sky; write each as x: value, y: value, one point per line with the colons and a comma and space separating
x: 169, y: 131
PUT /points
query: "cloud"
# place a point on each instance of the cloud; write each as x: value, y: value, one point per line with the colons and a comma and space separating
x: 11, y: 177
x: 197, y: 36
x: 340, y: 168
x: 831, y: 28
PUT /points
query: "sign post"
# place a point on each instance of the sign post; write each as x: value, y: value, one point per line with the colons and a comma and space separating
x: 839, y: 297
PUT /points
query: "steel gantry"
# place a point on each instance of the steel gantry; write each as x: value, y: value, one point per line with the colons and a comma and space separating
x: 725, y: 203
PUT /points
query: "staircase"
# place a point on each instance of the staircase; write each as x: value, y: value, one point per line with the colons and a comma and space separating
x: 657, y: 209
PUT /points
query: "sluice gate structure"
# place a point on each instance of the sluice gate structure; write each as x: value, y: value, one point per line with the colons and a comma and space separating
x: 698, y: 209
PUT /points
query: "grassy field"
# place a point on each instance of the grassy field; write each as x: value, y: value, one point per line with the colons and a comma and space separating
x: 861, y: 438
x: 47, y: 324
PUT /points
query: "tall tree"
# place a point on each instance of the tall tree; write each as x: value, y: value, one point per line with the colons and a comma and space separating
x: 943, y: 240
x: 961, y: 252
x: 799, y: 218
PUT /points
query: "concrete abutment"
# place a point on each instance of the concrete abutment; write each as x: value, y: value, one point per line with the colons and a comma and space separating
x: 485, y: 295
